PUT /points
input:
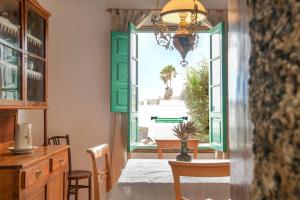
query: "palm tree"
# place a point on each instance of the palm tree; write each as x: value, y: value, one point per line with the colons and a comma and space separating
x: 166, y: 75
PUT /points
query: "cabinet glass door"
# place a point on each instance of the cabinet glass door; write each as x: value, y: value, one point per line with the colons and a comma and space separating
x: 10, y: 23
x: 35, y: 80
x: 35, y: 34
x: 36, y: 58
x: 10, y: 50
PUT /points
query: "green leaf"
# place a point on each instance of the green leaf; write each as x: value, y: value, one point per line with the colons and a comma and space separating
x: 196, y: 96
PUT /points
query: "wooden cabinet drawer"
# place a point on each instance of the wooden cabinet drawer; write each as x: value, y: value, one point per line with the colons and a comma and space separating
x: 59, y: 160
x: 35, y: 173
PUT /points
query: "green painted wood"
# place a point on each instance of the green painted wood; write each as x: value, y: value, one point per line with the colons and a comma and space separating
x: 119, y: 72
x: 218, y: 88
x: 169, y: 120
x: 133, y: 88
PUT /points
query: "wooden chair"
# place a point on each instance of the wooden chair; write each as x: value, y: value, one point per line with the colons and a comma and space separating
x: 98, y: 175
x: 73, y: 175
x: 171, y: 144
x: 197, y: 169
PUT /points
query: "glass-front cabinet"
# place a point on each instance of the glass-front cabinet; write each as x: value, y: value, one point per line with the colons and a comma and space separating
x: 23, y: 54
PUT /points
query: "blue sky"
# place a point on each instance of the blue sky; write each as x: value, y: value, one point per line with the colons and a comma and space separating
x: 152, y: 58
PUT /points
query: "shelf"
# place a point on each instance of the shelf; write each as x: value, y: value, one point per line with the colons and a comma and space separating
x: 7, y: 26
x: 33, y: 40
x: 6, y: 65
x: 34, y: 75
x: 11, y: 28
x: 30, y: 73
x: 11, y: 87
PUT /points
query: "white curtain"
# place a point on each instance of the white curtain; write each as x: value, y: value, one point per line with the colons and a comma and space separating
x: 119, y: 145
x: 120, y: 20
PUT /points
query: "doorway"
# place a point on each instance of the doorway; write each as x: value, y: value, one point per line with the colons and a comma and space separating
x: 170, y: 93
x: 217, y: 91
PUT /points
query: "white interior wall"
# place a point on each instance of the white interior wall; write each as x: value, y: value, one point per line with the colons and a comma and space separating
x: 79, y: 51
x: 79, y: 72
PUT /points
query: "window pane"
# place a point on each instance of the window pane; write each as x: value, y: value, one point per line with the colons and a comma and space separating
x: 133, y: 46
x: 134, y: 128
x: 216, y: 130
x: 216, y: 99
x: 133, y: 71
x: 35, y: 80
x: 10, y: 73
x: 10, y: 29
x: 35, y: 34
x: 216, y: 45
x: 134, y: 99
x: 216, y: 72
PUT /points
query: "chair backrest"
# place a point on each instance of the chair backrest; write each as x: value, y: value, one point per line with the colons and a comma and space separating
x: 59, y: 140
x: 171, y: 144
x: 98, y: 175
x: 201, y: 168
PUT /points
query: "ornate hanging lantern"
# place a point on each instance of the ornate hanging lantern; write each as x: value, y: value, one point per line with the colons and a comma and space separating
x: 187, y: 15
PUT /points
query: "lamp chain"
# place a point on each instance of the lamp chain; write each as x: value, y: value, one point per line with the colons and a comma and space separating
x: 162, y: 34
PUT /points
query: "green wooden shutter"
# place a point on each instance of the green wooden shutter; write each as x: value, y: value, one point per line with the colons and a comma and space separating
x: 133, y: 88
x: 119, y: 72
x: 218, y: 89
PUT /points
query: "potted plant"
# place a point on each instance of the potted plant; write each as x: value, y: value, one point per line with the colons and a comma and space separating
x: 184, y: 131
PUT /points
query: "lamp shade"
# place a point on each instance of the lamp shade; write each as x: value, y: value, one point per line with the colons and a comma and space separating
x: 172, y: 10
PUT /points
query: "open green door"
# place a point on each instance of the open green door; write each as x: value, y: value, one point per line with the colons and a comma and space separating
x: 119, y: 72
x: 133, y: 88
x: 218, y: 89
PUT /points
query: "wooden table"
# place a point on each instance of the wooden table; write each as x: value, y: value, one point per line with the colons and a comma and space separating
x: 152, y: 179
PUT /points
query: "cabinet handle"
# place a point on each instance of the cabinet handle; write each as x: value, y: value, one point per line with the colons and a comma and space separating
x: 38, y: 173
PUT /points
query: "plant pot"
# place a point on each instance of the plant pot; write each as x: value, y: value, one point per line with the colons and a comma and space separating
x: 184, y: 155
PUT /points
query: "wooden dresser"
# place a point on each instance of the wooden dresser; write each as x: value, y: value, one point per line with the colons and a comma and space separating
x: 24, y: 27
x: 37, y: 176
